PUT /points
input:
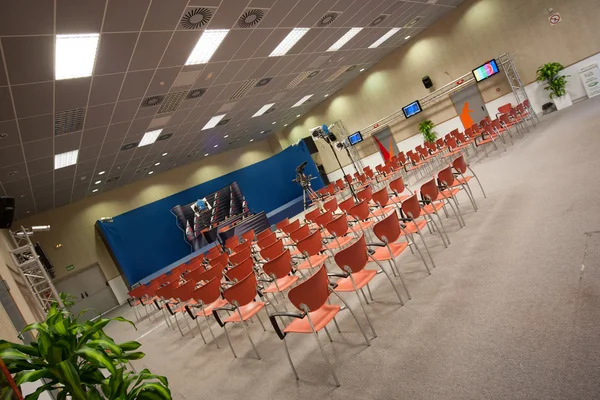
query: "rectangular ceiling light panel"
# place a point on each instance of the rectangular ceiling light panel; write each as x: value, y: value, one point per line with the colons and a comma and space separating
x: 213, y: 121
x: 75, y: 55
x: 289, y: 41
x: 150, y: 137
x: 302, y: 100
x: 63, y: 160
x: 263, y: 110
x: 207, y: 45
x: 344, y: 39
x: 385, y: 37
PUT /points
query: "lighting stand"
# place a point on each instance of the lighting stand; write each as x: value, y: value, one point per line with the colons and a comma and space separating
x: 342, y: 168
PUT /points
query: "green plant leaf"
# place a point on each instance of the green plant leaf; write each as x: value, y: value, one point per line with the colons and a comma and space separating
x: 32, y: 376
x: 29, y: 350
x: 98, y: 357
x: 40, y: 327
x: 130, y: 346
x: 145, y: 374
x: 35, y: 395
x: 48, y: 350
x: 132, y: 356
x: 11, y: 354
x: 107, y: 345
x: 68, y: 373
x: 92, y: 377
x: 157, y: 388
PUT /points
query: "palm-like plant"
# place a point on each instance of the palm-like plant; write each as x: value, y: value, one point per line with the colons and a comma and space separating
x: 426, y: 129
x: 72, y: 356
x: 549, y: 74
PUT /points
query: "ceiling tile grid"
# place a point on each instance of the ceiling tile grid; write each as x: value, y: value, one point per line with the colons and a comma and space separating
x: 140, y: 82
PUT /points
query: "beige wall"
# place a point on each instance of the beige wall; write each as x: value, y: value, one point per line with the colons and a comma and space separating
x: 73, y: 225
x: 476, y: 31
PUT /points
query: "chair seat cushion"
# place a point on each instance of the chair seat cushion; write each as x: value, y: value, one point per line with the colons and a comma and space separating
x: 320, y: 318
x: 431, y: 208
x: 315, y: 261
x: 339, y: 243
x: 361, y: 278
x: 449, y: 192
x: 282, y: 283
x: 383, y: 254
x: 247, y: 312
x: 209, y: 308
x: 411, y: 227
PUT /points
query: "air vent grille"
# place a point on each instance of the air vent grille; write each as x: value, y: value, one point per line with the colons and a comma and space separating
x: 337, y: 73
x: 172, y: 102
x: 68, y: 121
x: 196, y: 18
x: 166, y: 136
x: 263, y: 82
x: 250, y: 18
x: 249, y: 84
x: 152, y: 101
x: 328, y: 18
x: 195, y: 93
x: 129, y: 146
x: 414, y: 22
x: 302, y: 76
x: 379, y: 20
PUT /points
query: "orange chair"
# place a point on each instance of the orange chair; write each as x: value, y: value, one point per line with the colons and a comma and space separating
x: 300, y: 233
x: 311, y: 298
x: 291, y: 227
x: 432, y: 204
x: 382, y: 199
x: 500, y: 130
x: 222, y: 259
x: 279, y: 270
x: 397, y: 186
x: 311, y: 248
x: 505, y: 108
x: 412, y: 210
x: 241, y: 297
x: 352, y: 261
x: 311, y: 215
x: 240, y: 256
x: 166, y: 297
x: 268, y: 232
x: 240, y: 271
x: 232, y: 242
x: 361, y: 213
x: 213, y: 252
x: 242, y: 247
x: 461, y: 167
x: 183, y: 295
x: 331, y: 205
x: 446, y: 180
x: 324, y: 219
x: 248, y: 236
x: 267, y: 241
x: 347, y: 204
x: 338, y: 227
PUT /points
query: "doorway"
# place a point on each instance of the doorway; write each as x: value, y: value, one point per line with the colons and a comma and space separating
x: 469, y: 106
x: 90, y: 290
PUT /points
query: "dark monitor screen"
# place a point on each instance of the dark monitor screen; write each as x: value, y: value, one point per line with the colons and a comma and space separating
x: 412, y: 109
x: 485, y: 71
x: 355, y: 138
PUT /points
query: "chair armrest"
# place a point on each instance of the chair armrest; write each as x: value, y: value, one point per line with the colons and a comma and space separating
x: 273, y: 320
x: 338, y: 274
x: 376, y: 244
x: 216, y: 314
x: 190, y: 313
x: 131, y: 300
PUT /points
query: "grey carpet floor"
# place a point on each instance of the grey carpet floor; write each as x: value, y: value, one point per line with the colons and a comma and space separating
x: 512, y: 310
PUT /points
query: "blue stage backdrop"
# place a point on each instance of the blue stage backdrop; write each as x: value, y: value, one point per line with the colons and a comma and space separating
x: 146, y: 239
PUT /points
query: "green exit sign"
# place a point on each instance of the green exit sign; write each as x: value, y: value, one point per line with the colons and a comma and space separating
x: 70, y: 267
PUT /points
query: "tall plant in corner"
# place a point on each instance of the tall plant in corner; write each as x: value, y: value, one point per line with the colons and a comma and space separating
x: 556, y: 84
x: 426, y: 129
x: 80, y: 361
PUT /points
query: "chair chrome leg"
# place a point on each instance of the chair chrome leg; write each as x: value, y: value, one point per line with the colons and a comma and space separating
x: 365, y: 297
x: 200, y: 330
x: 421, y: 254
x: 443, y: 231
x: 392, y: 282
x: 261, y: 323
x: 248, y: 333
x: 369, y: 290
x: 479, y: 182
x: 289, y: 357
x: 177, y: 321
x: 337, y: 382
x: 229, y: 341
x: 188, y: 325
x: 392, y: 267
x: 363, y: 307
x: 328, y: 335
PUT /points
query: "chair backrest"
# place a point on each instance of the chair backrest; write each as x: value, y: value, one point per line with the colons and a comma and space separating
x: 273, y: 250
x: 238, y: 257
x: 381, y: 197
x: 267, y: 241
x: 199, y: 259
x: 366, y: 194
x: 166, y: 292
x: 291, y: 227
x: 300, y: 233
x: 242, y: 247
x: 267, y: 232
x: 311, y: 215
x: 311, y: 245
x: 451, y: 142
x: 369, y: 173
x: 347, y: 204
x: 414, y: 158
x: 484, y: 122
x: 459, y: 164
x: 496, y: 124
x: 446, y: 177
x: 248, y: 236
x: 340, y: 184
x: 280, y: 224
x: 360, y: 211
x: 195, y: 274
x: 209, y: 292
x: 324, y: 219
x: 209, y: 274
x: 279, y: 266
x: 213, y: 252
x: 338, y: 226
x: 311, y: 294
x: 423, y: 152
x: 184, y: 292
x: 222, y: 259
x: 429, y: 190
x: 137, y: 292
x: 505, y: 108
x: 232, y: 242
x: 397, y: 185
x: 241, y: 270
x: 362, y: 178
x: 453, y: 132
x: 331, y: 205
x: 460, y: 137
x: 513, y: 114
x: 411, y: 207
x: 348, y: 178
x: 354, y: 257
x: 243, y: 292
x: 388, y: 229
x: 163, y: 279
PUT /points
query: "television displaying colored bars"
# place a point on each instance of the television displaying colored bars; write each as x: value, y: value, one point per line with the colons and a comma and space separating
x: 485, y: 71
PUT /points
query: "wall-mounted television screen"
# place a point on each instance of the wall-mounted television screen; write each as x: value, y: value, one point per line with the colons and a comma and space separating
x: 485, y: 71
x: 412, y: 109
x: 355, y: 138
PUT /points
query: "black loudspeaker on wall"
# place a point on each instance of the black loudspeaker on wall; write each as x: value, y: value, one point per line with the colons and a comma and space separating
x: 310, y: 145
x: 7, y: 211
x: 427, y: 82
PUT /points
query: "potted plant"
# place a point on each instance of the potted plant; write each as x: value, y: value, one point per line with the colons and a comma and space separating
x: 80, y: 361
x: 426, y: 129
x: 556, y: 84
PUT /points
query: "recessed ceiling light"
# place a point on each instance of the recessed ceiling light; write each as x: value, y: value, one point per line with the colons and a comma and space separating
x: 385, y: 37
x: 65, y: 159
x: 327, y: 95
x: 206, y: 155
x: 406, y: 38
x: 213, y: 121
x: 262, y: 131
x: 97, y: 182
x: 284, y: 124
x: 252, y: 140
x: 157, y: 164
x: 206, y: 46
x: 225, y: 137
x: 216, y: 145
x: 263, y: 110
x: 362, y: 69
x: 75, y: 55
x: 273, y: 123
x: 298, y: 116
x: 101, y: 172
x: 150, y: 137
x: 164, y: 154
x: 94, y: 191
x: 288, y: 42
x: 302, y: 100
x: 150, y: 173
x: 344, y: 39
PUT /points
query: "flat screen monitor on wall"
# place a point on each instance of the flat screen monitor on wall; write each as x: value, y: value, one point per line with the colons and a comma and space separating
x: 412, y: 109
x: 485, y: 71
x: 355, y: 138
